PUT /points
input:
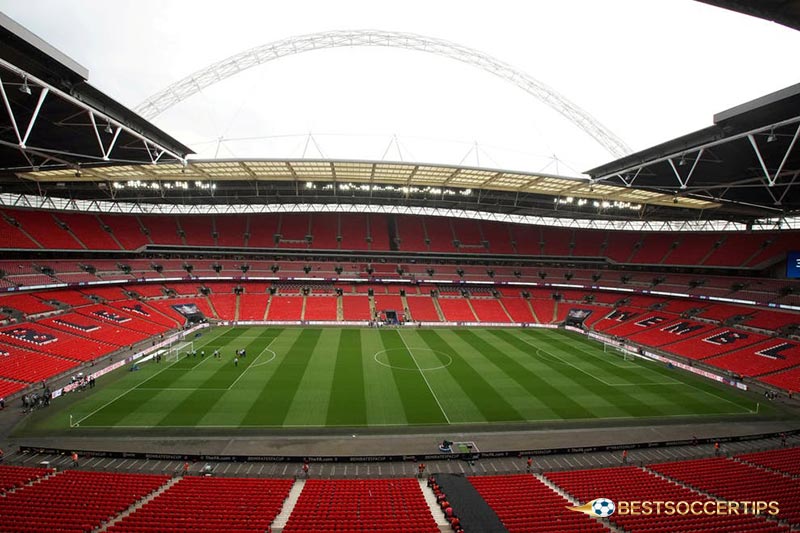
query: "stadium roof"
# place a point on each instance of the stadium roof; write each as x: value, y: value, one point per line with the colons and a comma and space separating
x: 748, y: 160
x: 58, y: 120
x: 68, y: 140
x: 786, y: 12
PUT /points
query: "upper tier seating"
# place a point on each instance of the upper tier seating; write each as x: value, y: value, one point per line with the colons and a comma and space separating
x: 198, y: 230
x: 526, y: 505
x: 88, y: 230
x: 126, y: 229
x: 440, y: 234
x: 74, y: 501
x: 736, y: 481
x: 411, y: 232
x: 230, y: 231
x: 162, y: 229
x: 498, y: 236
x: 631, y: 483
x: 42, y: 227
x: 391, y: 505
x: 378, y: 232
x: 210, y: 505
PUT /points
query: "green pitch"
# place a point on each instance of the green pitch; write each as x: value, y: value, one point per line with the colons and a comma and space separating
x: 314, y: 377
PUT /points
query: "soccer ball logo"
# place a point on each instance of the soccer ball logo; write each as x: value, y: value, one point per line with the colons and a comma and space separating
x: 603, y: 507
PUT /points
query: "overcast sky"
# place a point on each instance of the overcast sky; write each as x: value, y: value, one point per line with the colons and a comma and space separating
x: 647, y: 70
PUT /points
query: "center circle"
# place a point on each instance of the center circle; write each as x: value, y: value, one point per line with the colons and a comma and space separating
x: 382, y: 358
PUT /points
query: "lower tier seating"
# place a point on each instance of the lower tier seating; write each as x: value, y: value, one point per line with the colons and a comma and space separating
x: 489, y: 310
x: 356, y: 307
x: 74, y: 501
x: 526, y: 505
x: 210, y: 505
x: 736, y: 481
x: 632, y: 483
x: 786, y: 460
x: 391, y: 505
x: 26, y: 365
x: 14, y: 477
x: 320, y: 308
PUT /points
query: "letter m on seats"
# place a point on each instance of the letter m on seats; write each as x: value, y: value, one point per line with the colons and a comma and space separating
x: 682, y: 328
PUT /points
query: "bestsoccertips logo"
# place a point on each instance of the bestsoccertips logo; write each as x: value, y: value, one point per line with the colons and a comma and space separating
x: 602, y: 507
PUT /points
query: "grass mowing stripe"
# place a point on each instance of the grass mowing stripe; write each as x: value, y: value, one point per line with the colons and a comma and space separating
x: 180, y: 368
x: 680, y: 397
x: 418, y: 402
x: 635, y: 401
x: 553, y: 397
x: 272, y: 405
x: 348, y: 405
x: 491, y: 404
x: 195, y: 406
x: 686, y: 379
x: 619, y: 399
x: 109, y: 413
x: 683, y: 395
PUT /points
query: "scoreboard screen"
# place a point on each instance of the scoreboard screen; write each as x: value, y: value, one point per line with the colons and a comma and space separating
x: 793, y: 265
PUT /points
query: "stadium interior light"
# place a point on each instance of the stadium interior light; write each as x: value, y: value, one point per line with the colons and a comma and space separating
x: 108, y: 128
x: 771, y: 138
x: 25, y: 88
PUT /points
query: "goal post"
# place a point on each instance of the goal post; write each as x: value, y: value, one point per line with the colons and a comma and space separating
x: 620, y: 351
x: 179, y: 349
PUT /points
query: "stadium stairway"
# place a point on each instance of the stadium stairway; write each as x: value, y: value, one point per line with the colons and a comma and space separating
x: 433, y: 505
x: 533, y: 311
x: 473, y: 511
x: 138, y: 504
x: 574, y: 501
x: 288, y: 506
x: 339, y: 308
x: 438, y: 309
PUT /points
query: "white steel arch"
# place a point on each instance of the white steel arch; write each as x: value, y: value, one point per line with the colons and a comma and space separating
x: 221, y: 70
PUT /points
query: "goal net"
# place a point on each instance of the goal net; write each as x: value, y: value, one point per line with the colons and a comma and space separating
x: 614, y: 349
x: 179, y: 349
